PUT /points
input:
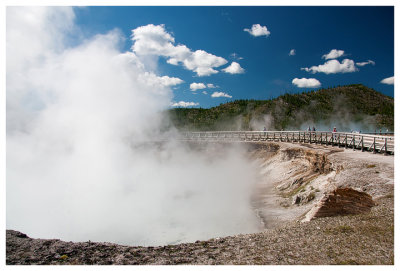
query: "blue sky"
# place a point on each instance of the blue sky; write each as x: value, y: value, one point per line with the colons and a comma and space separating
x: 330, y: 46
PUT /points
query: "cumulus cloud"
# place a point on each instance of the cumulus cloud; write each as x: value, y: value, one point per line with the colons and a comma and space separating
x: 257, y: 30
x: 166, y: 81
x: 220, y: 94
x: 205, y: 92
x: 184, y: 104
x: 196, y: 86
x: 333, y: 66
x: 388, y: 81
x: 306, y: 82
x: 334, y: 53
x: 234, y: 68
x: 170, y: 81
x: 155, y: 40
x: 362, y: 64
x: 292, y: 52
x: 173, y: 61
x: 203, y: 63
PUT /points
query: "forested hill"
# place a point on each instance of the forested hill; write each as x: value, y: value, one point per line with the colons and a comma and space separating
x: 352, y: 107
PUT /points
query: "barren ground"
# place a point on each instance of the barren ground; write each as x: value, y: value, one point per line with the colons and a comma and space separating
x: 294, y: 179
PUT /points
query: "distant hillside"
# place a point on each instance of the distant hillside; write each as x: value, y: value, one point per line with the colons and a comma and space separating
x: 352, y: 107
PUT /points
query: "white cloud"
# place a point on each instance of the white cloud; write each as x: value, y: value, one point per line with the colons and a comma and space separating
x: 234, y: 68
x: 203, y: 63
x: 205, y: 92
x: 184, y: 104
x: 151, y: 79
x: 362, y: 64
x: 220, y: 94
x: 333, y: 54
x: 170, y: 81
x: 306, y: 82
x: 154, y: 40
x: 196, y: 86
x: 173, y: 61
x: 292, y: 52
x: 388, y: 81
x: 257, y: 30
x: 333, y: 66
x: 236, y: 56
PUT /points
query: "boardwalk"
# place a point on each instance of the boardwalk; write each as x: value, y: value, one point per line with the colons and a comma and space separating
x: 364, y: 142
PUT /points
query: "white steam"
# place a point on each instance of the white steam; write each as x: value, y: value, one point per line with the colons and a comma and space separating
x: 77, y: 167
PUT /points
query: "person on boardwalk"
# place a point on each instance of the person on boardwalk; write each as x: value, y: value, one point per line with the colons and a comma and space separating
x: 334, y: 132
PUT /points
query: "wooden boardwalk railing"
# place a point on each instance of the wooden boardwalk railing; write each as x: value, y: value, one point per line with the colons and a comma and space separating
x: 364, y: 142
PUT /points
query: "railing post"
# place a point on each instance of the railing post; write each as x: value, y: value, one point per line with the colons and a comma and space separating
x: 354, y: 142
x: 326, y: 138
x: 385, y: 145
x: 374, y: 145
x: 362, y: 143
x: 345, y: 143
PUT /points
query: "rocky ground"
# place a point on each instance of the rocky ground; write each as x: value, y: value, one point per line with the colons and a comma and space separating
x: 285, y: 198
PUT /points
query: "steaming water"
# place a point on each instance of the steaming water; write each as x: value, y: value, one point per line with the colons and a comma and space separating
x: 76, y: 167
x: 164, y: 196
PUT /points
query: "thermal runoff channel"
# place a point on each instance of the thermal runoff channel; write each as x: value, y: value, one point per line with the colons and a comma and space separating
x: 77, y: 168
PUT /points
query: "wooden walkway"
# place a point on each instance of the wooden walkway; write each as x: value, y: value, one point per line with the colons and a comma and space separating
x: 364, y: 142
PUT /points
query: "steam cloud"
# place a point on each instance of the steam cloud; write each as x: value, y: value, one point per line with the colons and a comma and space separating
x: 77, y: 165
